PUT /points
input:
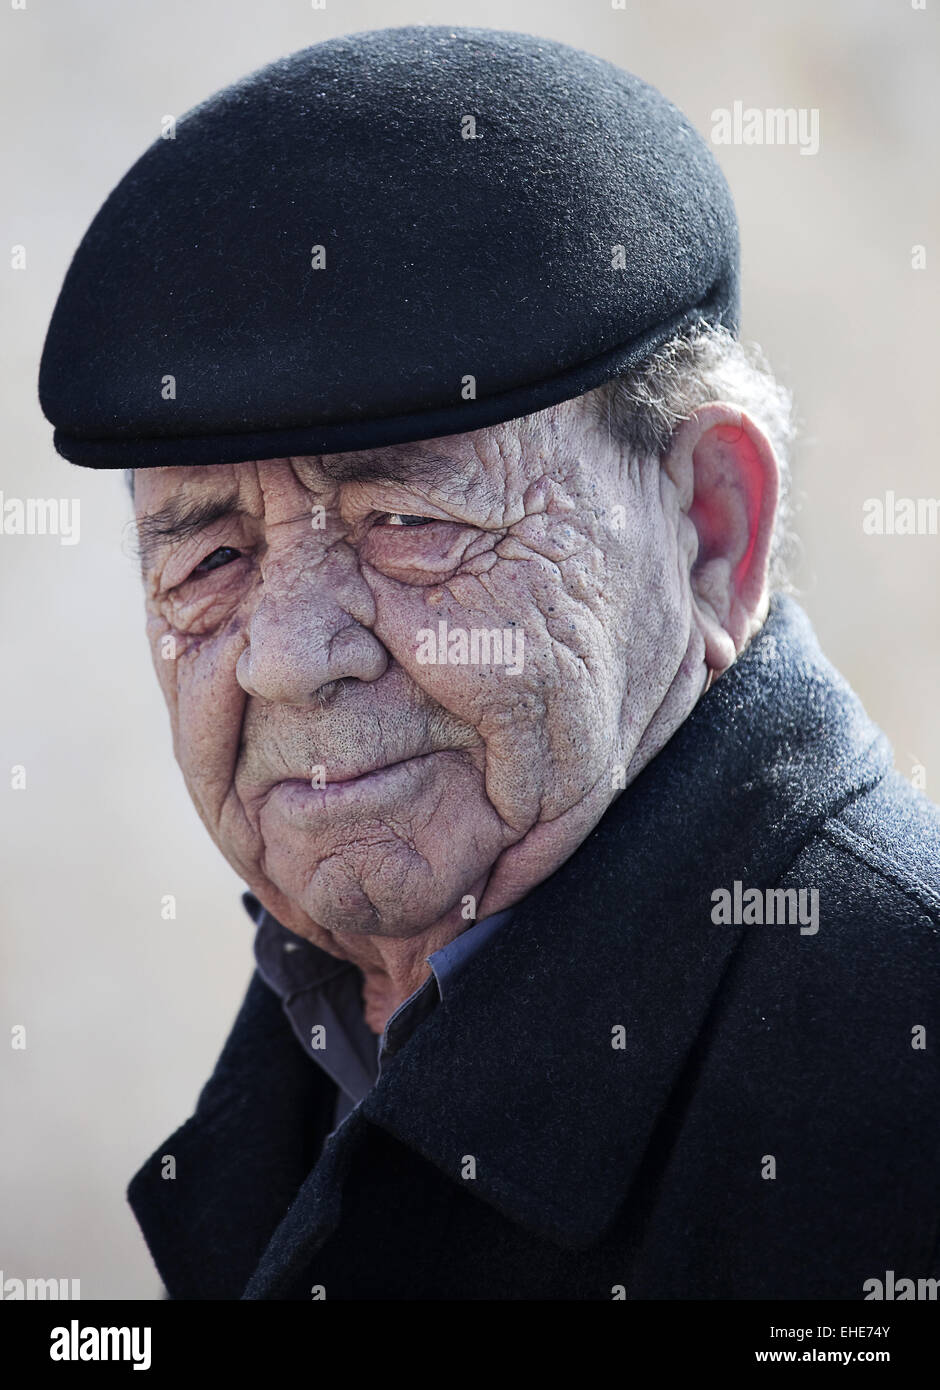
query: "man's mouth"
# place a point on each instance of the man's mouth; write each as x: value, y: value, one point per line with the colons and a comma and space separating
x: 300, y: 798
x: 341, y: 778
x: 324, y: 774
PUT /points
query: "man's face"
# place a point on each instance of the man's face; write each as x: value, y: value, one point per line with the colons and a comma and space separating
x: 286, y: 605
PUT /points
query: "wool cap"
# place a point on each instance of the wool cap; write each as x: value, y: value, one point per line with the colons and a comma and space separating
x: 390, y: 236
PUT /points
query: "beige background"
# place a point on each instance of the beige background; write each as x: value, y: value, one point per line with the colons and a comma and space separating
x: 126, y: 1012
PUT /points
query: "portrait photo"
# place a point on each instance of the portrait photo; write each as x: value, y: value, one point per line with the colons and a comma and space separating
x: 471, y: 627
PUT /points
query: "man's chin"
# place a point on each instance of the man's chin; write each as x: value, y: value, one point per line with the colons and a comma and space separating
x: 356, y: 908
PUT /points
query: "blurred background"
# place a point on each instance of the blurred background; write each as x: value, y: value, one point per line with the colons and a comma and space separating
x: 125, y: 1012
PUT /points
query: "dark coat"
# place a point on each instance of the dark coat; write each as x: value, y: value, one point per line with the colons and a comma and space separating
x: 642, y: 1167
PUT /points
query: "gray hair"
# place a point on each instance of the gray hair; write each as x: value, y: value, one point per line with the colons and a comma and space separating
x: 644, y: 405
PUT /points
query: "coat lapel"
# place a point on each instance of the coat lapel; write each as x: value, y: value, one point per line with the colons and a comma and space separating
x: 237, y: 1163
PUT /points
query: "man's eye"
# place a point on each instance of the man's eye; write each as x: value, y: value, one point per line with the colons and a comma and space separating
x: 403, y: 519
x: 223, y: 556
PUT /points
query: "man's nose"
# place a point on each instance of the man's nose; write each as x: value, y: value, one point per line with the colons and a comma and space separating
x: 301, y: 640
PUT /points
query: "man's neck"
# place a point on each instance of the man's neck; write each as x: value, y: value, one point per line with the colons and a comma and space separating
x: 393, y: 967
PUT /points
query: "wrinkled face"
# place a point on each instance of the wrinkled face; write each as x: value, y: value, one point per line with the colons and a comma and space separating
x: 325, y: 634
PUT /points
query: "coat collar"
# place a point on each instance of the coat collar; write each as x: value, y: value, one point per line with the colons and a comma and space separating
x: 517, y: 1068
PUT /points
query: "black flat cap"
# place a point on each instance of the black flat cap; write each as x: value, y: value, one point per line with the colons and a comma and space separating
x: 394, y: 235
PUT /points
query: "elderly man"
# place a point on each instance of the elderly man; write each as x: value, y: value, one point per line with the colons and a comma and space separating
x: 597, y: 941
